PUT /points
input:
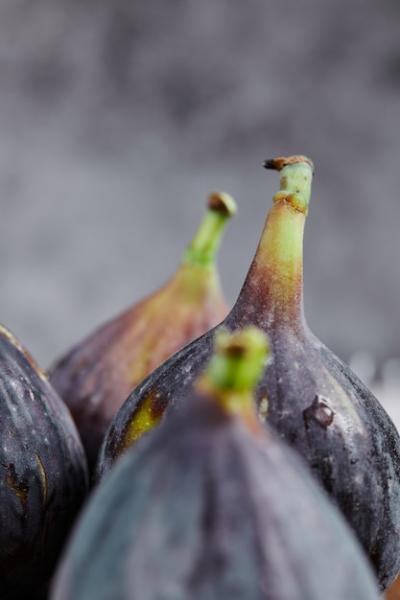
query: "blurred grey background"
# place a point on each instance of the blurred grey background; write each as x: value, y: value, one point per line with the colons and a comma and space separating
x: 117, y: 119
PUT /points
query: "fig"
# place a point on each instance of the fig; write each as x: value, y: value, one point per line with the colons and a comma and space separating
x: 312, y: 398
x: 43, y: 473
x: 96, y: 376
x: 210, y: 505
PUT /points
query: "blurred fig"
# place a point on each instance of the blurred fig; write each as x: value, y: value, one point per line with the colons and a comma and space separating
x: 209, y: 505
x: 314, y: 400
x: 96, y: 376
x: 43, y: 474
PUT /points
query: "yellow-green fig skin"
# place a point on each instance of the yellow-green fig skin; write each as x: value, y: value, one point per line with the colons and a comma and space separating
x: 96, y: 376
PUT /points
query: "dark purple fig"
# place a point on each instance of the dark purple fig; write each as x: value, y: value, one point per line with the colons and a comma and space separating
x: 209, y: 505
x: 314, y: 401
x: 96, y: 376
x: 43, y: 473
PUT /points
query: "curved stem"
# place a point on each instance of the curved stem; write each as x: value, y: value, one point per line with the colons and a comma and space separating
x: 203, y: 248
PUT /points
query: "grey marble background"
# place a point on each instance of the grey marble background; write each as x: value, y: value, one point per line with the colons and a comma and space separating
x: 117, y: 119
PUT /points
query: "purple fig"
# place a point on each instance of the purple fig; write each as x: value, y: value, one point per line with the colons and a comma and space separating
x: 96, y: 376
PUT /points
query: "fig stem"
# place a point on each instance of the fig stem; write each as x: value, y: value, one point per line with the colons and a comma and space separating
x: 296, y: 174
x: 203, y: 248
x: 272, y: 293
x: 235, y: 369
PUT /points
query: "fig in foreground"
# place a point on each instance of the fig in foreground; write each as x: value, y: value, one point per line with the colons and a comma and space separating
x: 210, y: 505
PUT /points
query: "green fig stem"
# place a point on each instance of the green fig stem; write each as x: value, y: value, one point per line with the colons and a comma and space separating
x: 274, y: 285
x: 203, y: 248
x: 295, y: 180
x: 235, y: 369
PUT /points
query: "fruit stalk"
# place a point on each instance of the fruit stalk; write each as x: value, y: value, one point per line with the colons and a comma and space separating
x: 204, y: 246
x: 197, y: 280
x: 236, y: 367
x: 274, y: 285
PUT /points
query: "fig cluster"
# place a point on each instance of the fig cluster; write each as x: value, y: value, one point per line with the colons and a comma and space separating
x: 212, y: 505
x: 231, y: 454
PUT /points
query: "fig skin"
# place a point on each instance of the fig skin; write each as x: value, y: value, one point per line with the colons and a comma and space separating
x: 95, y: 377
x: 209, y: 505
x: 315, y: 402
x: 43, y: 473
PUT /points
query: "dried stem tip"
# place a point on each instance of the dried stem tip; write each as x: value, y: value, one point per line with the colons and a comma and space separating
x: 222, y: 203
x: 277, y: 164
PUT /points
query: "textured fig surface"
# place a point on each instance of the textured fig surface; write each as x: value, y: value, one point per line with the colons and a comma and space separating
x: 203, y: 508
x: 43, y: 475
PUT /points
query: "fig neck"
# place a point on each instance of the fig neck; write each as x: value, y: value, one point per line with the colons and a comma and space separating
x: 194, y: 283
x: 272, y: 295
x: 202, y: 250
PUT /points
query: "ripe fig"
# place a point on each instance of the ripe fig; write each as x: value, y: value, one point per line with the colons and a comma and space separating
x: 96, y: 376
x: 314, y: 400
x: 209, y: 505
x: 43, y: 473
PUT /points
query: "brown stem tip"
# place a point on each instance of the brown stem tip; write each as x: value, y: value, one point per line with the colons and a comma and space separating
x: 277, y: 164
x: 222, y: 203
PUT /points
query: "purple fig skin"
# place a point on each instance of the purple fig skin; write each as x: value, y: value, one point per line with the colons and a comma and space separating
x: 97, y: 374
x: 205, y: 507
x: 315, y: 402
x: 43, y: 473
